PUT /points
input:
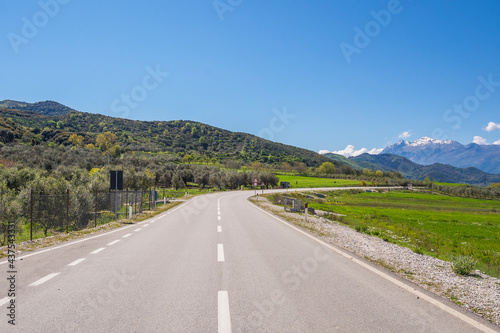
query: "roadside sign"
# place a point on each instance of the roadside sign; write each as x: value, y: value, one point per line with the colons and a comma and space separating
x: 255, y: 182
x: 262, y: 184
x: 116, y: 180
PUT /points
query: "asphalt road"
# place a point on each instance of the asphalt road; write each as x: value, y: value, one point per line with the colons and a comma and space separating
x: 215, y: 263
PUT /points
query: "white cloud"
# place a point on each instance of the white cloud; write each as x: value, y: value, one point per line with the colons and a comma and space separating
x: 351, y: 151
x: 496, y: 142
x: 492, y: 127
x: 479, y: 140
x: 375, y: 151
x: 405, y: 135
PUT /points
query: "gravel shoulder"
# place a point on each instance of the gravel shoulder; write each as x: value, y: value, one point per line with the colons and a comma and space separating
x: 479, y: 294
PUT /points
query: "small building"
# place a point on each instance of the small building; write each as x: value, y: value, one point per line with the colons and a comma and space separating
x: 285, y: 184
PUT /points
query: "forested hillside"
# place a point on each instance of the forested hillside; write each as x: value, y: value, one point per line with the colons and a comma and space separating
x: 45, y: 107
x: 182, y: 137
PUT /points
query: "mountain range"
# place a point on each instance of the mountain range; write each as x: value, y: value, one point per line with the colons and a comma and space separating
x: 427, y: 151
x: 411, y: 170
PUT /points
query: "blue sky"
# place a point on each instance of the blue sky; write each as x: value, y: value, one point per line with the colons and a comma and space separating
x: 322, y: 75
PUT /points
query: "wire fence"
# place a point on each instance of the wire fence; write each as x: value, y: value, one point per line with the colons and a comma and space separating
x: 33, y: 214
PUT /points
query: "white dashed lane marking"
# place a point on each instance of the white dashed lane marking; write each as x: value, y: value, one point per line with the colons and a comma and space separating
x: 224, y: 317
x: 219, y: 228
x: 113, y: 242
x: 4, y: 300
x: 127, y: 235
x: 44, y: 279
x: 76, y: 262
x: 220, y: 252
x: 98, y: 250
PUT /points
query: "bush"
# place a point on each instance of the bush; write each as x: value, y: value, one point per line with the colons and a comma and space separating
x: 105, y: 217
x: 418, y: 250
x: 362, y: 229
x: 463, y: 265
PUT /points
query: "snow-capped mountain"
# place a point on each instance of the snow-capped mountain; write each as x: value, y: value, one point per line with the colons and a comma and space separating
x: 428, y: 151
x: 428, y: 141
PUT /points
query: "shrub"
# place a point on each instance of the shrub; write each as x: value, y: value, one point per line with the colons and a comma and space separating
x: 362, y: 228
x: 105, y: 217
x: 418, y: 250
x: 463, y: 265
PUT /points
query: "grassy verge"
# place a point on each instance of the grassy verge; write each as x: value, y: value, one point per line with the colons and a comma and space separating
x: 433, y: 224
x: 302, y: 182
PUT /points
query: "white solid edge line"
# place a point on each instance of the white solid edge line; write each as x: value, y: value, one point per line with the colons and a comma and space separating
x: 220, y: 252
x: 76, y: 262
x: 86, y: 239
x: 98, y: 250
x: 224, y: 317
x: 113, y: 242
x: 219, y: 228
x: 4, y: 300
x: 400, y: 284
x: 43, y: 280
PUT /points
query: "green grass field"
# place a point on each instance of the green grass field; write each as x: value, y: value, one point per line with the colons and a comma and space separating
x: 434, y: 224
x: 301, y: 181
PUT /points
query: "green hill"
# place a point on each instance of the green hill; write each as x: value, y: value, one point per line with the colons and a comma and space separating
x: 179, y: 136
x: 45, y: 107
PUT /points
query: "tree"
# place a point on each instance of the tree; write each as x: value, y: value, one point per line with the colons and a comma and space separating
x: 256, y: 166
x: 203, y: 142
x: 76, y: 140
x: 379, y: 173
x: 286, y: 167
x: 115, y: 151
x: 177, y: 182
x: 327, y: 168
x: 300, y: 167
x: 106, y: 140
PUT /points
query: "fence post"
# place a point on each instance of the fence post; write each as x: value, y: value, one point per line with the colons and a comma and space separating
x: 31, y: 217
x: 95, y: 211
x: 142, y: 196
x: 67, y: 210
